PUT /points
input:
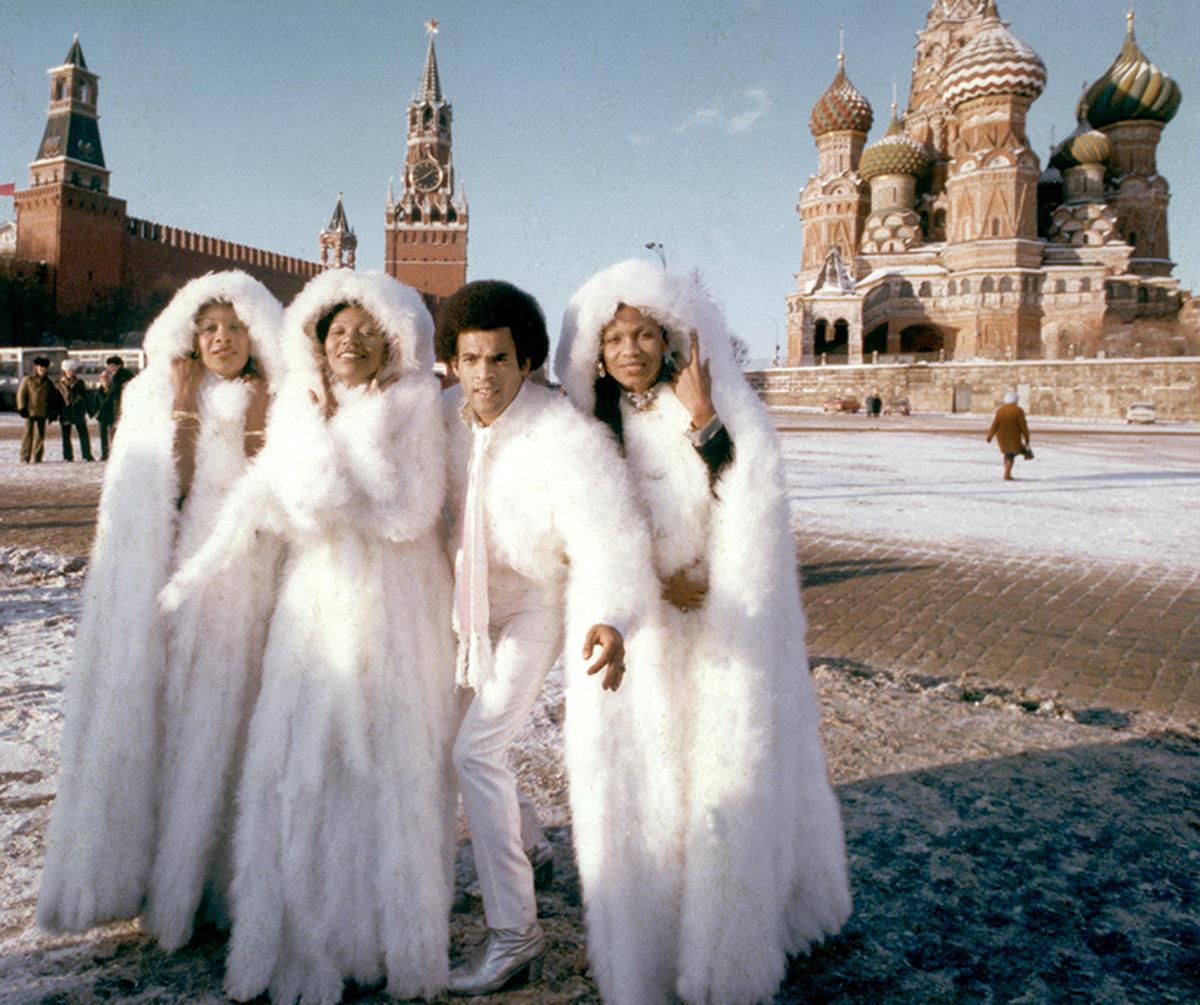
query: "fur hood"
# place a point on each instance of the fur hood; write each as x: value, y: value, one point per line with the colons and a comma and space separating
x: 678, y: 303
x: 173, y: 332
x: 399, y: 309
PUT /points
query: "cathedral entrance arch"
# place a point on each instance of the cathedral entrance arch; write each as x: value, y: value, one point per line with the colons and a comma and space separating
x: 926, y: 340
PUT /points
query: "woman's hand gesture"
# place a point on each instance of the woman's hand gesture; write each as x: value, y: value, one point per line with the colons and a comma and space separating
x: 693, y: 386
x: 323, y: 397
x: 186, y: 374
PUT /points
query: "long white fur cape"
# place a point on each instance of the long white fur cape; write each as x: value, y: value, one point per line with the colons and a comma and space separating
x: 750, y: 828
x: 344, y: 832
x: 155, y: 704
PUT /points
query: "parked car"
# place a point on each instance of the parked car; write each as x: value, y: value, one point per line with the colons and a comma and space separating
x: 1142, y: 412
x: 845, y: 403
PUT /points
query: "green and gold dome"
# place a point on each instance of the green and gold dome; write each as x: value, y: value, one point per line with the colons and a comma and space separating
x: 1084, y: 146
x: 1132, y: 89
x: 895, y: 153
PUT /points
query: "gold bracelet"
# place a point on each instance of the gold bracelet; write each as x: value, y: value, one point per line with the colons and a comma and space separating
x: 255, y: 432
x: 178, y: 414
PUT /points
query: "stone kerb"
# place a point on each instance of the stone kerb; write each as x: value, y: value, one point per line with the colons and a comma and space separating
x: 1090, y: 389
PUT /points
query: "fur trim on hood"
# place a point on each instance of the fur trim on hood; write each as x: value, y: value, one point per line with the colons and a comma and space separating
x: 399, y: 309
x: 678, y: 303
x: 173, y: 333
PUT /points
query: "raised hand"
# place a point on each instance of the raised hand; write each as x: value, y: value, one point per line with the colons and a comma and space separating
x: 323, y: 397
x: 693, y: 386
x: 186, y: 374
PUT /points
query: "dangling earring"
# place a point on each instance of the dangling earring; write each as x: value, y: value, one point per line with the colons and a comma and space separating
x: 600, y: 371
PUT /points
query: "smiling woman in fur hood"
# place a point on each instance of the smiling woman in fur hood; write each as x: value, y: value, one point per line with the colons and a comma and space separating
x: 756, y: 848
x: 156, y: 704
x: 346, y: 807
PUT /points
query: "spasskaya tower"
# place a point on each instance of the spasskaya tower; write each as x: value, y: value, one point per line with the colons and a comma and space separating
x: 426, y: 227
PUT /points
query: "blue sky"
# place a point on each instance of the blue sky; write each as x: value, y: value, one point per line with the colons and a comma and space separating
x: 582, y: 131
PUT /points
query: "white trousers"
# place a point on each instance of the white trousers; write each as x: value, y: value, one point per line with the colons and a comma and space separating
x: 526, y: 640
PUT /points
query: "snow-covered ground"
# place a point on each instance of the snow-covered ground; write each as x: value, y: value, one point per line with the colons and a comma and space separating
x: 1108, y: 496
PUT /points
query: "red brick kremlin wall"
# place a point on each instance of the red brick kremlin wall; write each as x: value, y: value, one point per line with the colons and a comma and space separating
x: 158, y: 259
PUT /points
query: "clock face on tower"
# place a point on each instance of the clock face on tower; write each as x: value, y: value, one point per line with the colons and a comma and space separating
x: 426, y: 175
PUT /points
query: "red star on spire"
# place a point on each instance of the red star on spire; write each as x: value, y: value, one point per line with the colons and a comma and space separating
x: 431, y: 26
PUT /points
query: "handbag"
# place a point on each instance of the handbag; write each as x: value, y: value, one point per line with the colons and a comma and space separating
x: 1027, y: 453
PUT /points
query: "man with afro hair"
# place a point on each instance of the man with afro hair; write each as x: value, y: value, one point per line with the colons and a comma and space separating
x: 545, y: 539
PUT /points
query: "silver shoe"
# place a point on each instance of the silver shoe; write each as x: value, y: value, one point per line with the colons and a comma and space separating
x: 541, y: 858
x: 511, y: 956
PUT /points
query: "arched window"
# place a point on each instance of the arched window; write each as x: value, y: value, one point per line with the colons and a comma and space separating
x: 1060, y: 286
x: 966, y: 286
x: 819, y: 332
x: 988, y: 285
x: 906, y: 289
x: 1133, y: 238
x: 60, y: 89
x: 1085, y: 286
x: 1006, y: 284
x: 926, y: 290
x: 952, y: 288
x: 1143, y: 295
x: 939, y: 221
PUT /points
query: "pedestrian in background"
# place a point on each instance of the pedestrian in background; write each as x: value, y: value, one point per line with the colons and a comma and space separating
x: 112, y: 386
x: 1011, y: 432
x: 77, y: 405
x: 37, y: 401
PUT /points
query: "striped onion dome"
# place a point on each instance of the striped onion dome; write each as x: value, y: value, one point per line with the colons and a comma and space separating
x: 994, y: 62
x: 1132, y: 88
x: 895, y: 153
x: 842, y: 107
x: 1084, y: 146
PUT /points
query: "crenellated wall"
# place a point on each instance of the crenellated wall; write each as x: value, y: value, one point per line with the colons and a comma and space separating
x: 158, y: 258
x: 1091, y: 389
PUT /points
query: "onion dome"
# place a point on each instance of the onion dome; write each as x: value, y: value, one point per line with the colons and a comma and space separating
x: 1132, y: 88
x: 994, y: 62
x: 895, y: 153
x: 1084, y: 146
x: 842, y: 107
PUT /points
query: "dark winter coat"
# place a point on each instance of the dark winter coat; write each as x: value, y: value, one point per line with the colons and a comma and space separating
x: 1010, y: 429
x: 110, y: 405
x: 77, y: 401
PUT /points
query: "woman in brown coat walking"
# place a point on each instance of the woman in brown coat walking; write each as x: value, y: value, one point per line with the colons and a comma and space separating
x: 1011, y: 432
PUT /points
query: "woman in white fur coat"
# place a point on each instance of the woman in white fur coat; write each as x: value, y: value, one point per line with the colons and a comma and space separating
x: 345, y: 821
x: 756, y: 842
x: 156, y: 704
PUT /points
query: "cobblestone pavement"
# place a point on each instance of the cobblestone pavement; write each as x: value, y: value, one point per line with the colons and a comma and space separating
x: 1103, y: 640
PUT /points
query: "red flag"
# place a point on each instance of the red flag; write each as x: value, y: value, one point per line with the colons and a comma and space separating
x: 8, y: 188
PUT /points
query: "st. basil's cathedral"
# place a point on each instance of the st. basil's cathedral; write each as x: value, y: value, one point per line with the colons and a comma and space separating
x: 945, y: 239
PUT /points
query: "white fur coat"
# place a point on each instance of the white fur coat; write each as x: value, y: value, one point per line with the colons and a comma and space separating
x: 559, y: 511
x: 344, y: 833
x: 754, y: 830
x: 156, y: 703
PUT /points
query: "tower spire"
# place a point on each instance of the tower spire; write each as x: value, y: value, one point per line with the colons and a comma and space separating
x: 339, y: 246
x: 75, y: 54
x: 431, y: 85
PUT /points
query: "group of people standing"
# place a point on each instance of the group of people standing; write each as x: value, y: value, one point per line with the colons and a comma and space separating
x: 325, y: 594
x: 70, y: 402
